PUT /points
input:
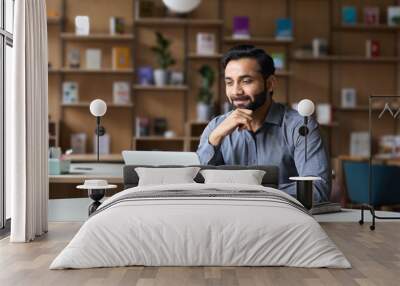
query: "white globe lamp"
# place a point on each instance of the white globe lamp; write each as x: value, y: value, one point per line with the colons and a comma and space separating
x: 98, y: 108
x: 182, y: 6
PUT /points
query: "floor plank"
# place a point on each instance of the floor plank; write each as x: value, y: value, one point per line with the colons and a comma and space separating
x: 375, y: 257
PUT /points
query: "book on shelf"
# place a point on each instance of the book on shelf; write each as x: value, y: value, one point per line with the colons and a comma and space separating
x: 121, y: 92
x: 117, y: 25
x: 372, y: 49
x: 176, y: 78
x: 93, y: 59
x: 74, y: 58
x: 78, y: 143
x: 371, y: 15
x: 205, y: 44
x: 279, y: 60
x: 82, y: 25
x: 324, y: 113
x: 70, y: 92
x: 241, y: 27
x: 359, y: 144
x: 284, y: 29
x: 349, y: 15
x: 121, y: 58
x: 145, y: 75
x: 104, y: 143
x: 393, y: 15
x: 348, y: 97
x: 160, y: 125
x: 142, y: 126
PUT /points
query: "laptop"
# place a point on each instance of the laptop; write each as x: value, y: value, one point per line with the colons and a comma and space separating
x: 159, y: 158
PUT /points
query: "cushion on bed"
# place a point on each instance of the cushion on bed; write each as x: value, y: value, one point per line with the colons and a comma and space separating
x: 248, y: 177
x: 270, y: 179
x: 165, y: 176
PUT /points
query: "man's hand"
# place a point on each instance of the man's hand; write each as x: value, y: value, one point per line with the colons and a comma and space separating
x: 239, y: 118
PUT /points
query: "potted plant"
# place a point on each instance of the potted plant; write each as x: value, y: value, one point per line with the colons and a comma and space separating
x: 205, y: 95
x: 164, y: 59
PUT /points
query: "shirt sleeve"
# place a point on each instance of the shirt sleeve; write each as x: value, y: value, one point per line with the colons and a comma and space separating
x: 208, y: 153
x: 317, y: 163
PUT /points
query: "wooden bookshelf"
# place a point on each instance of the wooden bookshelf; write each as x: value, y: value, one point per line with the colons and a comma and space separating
x: 258, y: 41
x: 178, y: 22
x: 366, y: 28
x: 319, y: 79
x: 356, y: 59
x: 139, y: 87
x: 194, y: 56
x: 87, y: 104
x: 101, y: 71
x: 97, y: 37
x: 53, y: 20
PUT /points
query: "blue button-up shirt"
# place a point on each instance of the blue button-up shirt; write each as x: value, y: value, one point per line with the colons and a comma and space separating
x: 278, y: 143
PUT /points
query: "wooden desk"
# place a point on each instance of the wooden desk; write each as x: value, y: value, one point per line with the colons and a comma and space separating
x: 64, y: 186
x: 92, y: 158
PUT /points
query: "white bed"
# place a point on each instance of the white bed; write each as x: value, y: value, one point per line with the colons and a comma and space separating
x: 248, y: 226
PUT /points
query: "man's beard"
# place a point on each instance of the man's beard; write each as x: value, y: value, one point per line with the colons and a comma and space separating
x: 259, y: 100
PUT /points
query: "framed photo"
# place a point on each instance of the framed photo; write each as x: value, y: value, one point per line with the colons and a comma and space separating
x: 349, y: 97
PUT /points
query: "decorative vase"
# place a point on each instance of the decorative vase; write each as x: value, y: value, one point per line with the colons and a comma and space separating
x: 203, y: 112
x: 160, y: 77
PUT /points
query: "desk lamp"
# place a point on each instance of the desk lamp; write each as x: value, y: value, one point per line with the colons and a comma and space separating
x: 98, y: 108
x: 305, y: 108
x: 304, y: 185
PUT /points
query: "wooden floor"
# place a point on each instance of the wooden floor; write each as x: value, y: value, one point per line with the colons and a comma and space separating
x: 375, y: 257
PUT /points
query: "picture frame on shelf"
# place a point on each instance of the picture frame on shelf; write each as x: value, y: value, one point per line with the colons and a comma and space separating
x: 82, y: 25
x: 348, y: 97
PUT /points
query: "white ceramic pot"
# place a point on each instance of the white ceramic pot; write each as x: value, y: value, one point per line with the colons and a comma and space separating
x: 160, y: 77
x: 203, y: 112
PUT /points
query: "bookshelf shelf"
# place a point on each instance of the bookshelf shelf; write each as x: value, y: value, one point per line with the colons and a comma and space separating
x: 178, y: 22
x: 366, y: 28
x: 102, y: 71
x: 358, y: 59
x: 53, y: 71
x: 97, y: 37
x: 329, y: 125
x: 283, y: 73
x: 87, y: 104
x: 356, y: 109
x: 194, y: 56
x: 53, y: 20
x: 158, y: 138
x: 139, y: 87
x: 258, y: 41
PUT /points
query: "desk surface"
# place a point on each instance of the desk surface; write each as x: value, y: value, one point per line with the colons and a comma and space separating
x: 112, y: 172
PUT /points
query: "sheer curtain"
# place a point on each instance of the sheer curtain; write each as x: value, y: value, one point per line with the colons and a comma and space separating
x: 27, y: 124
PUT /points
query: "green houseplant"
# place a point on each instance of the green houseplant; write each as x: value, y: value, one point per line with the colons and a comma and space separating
x: 164, y: 59
x: 205, y: 96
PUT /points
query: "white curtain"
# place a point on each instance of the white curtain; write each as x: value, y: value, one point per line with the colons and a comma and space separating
x: 27, y: 123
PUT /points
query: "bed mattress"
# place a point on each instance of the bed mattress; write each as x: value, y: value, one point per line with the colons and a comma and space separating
x: 201, y: 225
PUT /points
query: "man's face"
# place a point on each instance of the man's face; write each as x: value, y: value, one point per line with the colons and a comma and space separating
x: 244, y: 82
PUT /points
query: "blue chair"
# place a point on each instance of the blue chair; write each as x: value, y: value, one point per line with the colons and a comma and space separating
x: 385, y: 187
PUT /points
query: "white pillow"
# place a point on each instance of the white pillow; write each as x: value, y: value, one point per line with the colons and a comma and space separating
x: 166, y: 176
x: 248, y: 177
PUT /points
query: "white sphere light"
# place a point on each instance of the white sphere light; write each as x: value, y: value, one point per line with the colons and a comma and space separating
x: 182, y: 6
x: 98, y: 107
x: 305, y: 107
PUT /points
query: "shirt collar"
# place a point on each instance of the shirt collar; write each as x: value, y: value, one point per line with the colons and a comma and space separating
x: 275, y: 114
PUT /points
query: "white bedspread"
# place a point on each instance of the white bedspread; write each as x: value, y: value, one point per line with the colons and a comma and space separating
x: 183, y: 231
